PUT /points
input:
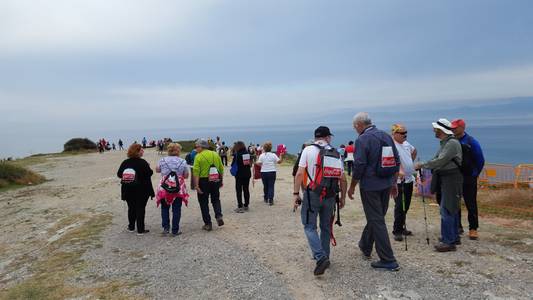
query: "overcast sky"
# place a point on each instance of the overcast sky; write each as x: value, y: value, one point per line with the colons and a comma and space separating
x: 131, y: 64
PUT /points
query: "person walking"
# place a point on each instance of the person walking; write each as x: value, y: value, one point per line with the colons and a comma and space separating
x: 447, y: 183
x: 243, y: 162
x: 120, y: 145
x: 402, y: 202
x: 376, y: 164
x: 190, y: 162
x: 208, y: 179
x: 172, y: 163
x: 319, y: 197
x: 267, y: 161
x: 349, y: 152
x: 222, y: 150
x: 135, y: 174
x: 144, y: 142
x: 471, y: 166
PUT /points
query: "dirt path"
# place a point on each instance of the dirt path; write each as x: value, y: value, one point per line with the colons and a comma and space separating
x: 259, y: 254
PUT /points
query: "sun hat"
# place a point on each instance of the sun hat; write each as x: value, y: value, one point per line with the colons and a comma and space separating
x: 458, y: 123
x: 444, y: 125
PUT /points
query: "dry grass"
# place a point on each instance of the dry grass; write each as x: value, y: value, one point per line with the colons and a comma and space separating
x: 62, y: 261
x: 12, y: 174
x: 506, y: 203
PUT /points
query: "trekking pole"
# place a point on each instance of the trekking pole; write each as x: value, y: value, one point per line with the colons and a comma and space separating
x: 424, y: 204
x: 404, y: 222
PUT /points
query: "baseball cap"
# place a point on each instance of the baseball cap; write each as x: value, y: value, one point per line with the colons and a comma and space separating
x: 322, y: 131
x: 458, y: 123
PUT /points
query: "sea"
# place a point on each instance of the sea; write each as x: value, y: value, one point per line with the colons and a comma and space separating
x: 506, y: 144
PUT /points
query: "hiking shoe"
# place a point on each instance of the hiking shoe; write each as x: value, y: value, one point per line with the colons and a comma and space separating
x: 387, y: 266
x: 270, y: 203
x: 143, y: 232
x: 239, y: 210
x: 457, y: 243
x: 245, y: 208
x: 407, y: 232
x: 398, y: 237
x: 472, y: 234
x: 220, y: 222
x: 445, y: 247
x: 207, y: 227
x: 366, y: 256
x: 321, y: 266
x: 176, y: 234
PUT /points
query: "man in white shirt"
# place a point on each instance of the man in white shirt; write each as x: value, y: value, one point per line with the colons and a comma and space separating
x: 406, y: 178
x: 320, y: 194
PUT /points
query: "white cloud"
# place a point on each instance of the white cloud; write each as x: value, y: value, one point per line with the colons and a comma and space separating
x: 36, y: 26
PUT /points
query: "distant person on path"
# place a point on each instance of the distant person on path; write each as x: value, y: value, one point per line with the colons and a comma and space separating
x: 471, y: 166
x: 297, y: 162
x: 406, y: 177
x: 349, y: 157
x: 135, y: 174
x: 172, y: 162
x: 251, y: 150
x: 267, y: 161
x: 447, y: 183
x: 223, y: 152
x: 120, y: 145
x: 144, y: 142
x: 321, y: 190
x: 114, y: 147
x: 376, y: 164
x: 208, y: 179
x: 243, y: 160
x: 190, y: 161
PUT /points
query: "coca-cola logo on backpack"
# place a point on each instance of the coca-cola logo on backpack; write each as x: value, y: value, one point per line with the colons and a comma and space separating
x: 129, y: 177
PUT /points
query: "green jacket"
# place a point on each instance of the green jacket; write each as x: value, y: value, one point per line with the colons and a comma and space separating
x: 204, y: 160
x: 450, y: 150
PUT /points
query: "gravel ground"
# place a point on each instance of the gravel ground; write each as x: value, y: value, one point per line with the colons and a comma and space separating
x: 263, y: 254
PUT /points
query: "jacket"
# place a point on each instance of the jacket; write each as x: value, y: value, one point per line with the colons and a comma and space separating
x: 143, y: 173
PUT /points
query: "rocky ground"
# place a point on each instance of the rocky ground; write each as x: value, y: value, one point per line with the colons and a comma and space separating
x: 66, y: 239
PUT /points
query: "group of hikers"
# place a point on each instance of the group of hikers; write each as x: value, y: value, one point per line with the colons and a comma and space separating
x: 382, y: 164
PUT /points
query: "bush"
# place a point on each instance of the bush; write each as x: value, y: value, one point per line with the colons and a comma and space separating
x: 79, y: 144
x: 12, y: 174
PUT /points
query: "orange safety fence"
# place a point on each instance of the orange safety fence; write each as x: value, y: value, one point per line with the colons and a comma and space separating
x: 497, y: 175
x: 524, y: 176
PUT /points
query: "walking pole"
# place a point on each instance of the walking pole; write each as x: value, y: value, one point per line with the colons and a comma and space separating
x: 424, y: 204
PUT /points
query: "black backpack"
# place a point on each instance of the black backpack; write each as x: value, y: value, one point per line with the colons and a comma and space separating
x: 467, y: 164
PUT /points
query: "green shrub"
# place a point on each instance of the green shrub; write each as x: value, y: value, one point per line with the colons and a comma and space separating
x: 12, y: 174
x: 186, y: 146
x: 79, y: 144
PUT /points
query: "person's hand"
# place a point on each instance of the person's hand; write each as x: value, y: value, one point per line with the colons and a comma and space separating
x: 418, y: 166
x: 199, y: 191
x: 297, y: 202
x: 351, y: 191
x: 342, y: 202
x: 394, y: 191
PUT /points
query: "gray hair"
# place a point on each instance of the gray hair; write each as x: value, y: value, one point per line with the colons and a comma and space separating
x: 362, y: 118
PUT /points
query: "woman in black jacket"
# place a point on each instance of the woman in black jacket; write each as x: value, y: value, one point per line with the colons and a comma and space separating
x: 242, y: 179
x: 136, y: 187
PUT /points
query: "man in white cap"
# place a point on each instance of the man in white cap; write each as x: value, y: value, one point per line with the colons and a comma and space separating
x: 447, y: 182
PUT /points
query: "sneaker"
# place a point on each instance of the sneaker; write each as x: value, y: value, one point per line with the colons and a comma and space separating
x: 407, y: 232
x: 130, y: 229
x: 445, y: 247
x: 207, y: 227
x: 398, y: 237
x: 220, y: 222
x: 246, y: 208
x: 239, y: 210
x: 472, y: 234
x: 387, y: 266
x: 143, y: 232
x: 165, y: 232
x: 321, y: 266
x: 461, y: 230
x: 270, y: 203
x: 176, y: 234
x: 366, y: 256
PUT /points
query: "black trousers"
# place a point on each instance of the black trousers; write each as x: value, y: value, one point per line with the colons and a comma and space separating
x: 224, y: 159
x: 470, y: 197
x: 375, y: 205
x: 405, y: 192
x: 136, y: 212
x: 349, y: 166
x: 242, y: 185
x: 210, y: 190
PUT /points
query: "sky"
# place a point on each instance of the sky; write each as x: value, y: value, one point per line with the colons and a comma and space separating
x: 71, y: 67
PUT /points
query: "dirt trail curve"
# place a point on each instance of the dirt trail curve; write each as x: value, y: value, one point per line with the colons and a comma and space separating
x: 261, y: 254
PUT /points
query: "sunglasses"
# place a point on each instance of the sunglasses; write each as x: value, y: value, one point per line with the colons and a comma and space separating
x: 402, y: 133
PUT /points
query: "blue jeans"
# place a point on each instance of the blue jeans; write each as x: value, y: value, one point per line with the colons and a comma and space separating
x: 268, y: 178
x: 449, y: 224
x: 319, y: 245
x: 176, y: 215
